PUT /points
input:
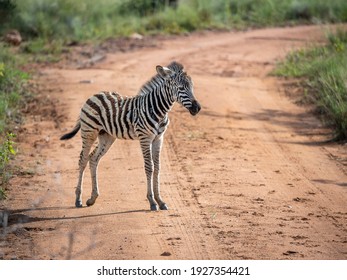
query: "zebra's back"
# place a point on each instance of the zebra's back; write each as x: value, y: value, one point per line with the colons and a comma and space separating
x: 111, y: 112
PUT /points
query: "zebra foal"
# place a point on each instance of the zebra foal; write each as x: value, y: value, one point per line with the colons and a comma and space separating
x: 108, y: 116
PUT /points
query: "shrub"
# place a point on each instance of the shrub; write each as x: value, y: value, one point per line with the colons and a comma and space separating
x: 7, y: 9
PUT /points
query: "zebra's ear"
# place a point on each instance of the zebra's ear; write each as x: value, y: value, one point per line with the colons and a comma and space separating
x: 165, y: 72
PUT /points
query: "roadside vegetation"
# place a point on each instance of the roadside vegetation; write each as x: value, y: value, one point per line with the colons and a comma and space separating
x: 68, y: 20
x: 322, y: 71
x: 13, y: 89
x: 44, y: 28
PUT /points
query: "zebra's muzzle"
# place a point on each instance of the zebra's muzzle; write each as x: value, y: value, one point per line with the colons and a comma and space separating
x: 195, y: 108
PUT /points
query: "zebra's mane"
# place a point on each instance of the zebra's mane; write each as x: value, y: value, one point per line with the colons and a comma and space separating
x: 157, y: 81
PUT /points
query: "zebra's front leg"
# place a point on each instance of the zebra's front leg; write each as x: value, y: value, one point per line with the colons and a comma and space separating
x: 105, y: 142
x: 156, y: 148
x: 146, y: 147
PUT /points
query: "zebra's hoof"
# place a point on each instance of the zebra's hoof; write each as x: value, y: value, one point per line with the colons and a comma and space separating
x: 164, y: 207
x: 90, y: 202
x: 78, y: 203
x: 154, y: 207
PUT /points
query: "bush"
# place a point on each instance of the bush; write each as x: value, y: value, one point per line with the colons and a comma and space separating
x: 7, y: 9
x: 144, y: 8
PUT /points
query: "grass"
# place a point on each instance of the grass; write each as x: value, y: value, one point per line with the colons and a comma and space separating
x: 324, y: 73
x: 6, y: 152
x: 69, y: 20
x: 3, y: 193
x: 48, y: 25
x: 12, y: 89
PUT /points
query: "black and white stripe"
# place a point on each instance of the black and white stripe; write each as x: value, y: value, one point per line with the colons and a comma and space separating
x: 108, y: 116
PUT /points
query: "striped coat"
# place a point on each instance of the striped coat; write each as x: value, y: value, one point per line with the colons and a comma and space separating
x: 108, y: 116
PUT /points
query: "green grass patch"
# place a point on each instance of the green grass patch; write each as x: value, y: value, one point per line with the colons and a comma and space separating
x: 6, y: 153
x: 68, y: 20
x: 12, y: 87
x: 324, y: 73
x: 3, y: 193
x: 12, y: 90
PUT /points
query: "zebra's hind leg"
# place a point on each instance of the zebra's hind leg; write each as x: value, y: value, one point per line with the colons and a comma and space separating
x: 156, y: 148
x: 105, y: 142
x: 88, y: 138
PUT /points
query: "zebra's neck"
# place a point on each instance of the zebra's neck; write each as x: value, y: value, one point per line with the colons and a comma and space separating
x: 158, y: 97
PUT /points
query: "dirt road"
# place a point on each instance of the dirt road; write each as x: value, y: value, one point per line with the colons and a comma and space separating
x: 248, y: 178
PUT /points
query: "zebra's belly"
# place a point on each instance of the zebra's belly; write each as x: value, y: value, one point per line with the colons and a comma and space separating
x: 127, y: 133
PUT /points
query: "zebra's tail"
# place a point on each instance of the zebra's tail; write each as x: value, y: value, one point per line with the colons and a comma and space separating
x: 72, y: 133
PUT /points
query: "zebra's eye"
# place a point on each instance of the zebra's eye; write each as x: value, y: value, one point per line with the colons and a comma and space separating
x: 181, y: 88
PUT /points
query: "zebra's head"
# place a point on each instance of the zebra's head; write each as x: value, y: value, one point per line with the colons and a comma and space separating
x: 181, y: 86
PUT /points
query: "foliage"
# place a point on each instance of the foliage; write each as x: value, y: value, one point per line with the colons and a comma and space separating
x: 69, y: 20
x: 12, y: 87
x: 6, y: 151
x: 12, y: 90
x: 144, y: 8
x: 3, y: 194
x: 7, y: 8
x: 325, y: 71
